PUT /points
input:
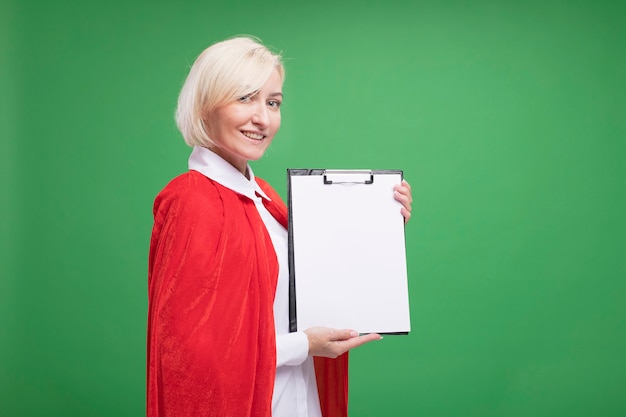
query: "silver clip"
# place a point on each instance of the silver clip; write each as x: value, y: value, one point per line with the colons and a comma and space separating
x: 345, y: 176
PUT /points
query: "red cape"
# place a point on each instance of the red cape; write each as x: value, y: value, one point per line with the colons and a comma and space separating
x: 211, y: 281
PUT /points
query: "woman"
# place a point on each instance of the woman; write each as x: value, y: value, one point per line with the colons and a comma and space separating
x: 218, y: 340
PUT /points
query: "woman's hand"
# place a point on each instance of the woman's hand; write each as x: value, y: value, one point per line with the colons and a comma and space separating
x: 402, y: 193
x: 330, y: 343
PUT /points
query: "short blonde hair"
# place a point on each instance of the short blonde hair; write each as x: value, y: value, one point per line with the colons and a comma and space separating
x: 223, y: 72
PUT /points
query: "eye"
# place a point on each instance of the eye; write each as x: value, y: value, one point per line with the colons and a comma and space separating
x: 245, y: 98
x: 274, y: 103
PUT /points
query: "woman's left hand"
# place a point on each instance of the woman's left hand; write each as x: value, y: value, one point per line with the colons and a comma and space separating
x: 402, y: 193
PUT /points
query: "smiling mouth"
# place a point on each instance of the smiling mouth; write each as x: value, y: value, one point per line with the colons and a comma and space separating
x: 252, y: 135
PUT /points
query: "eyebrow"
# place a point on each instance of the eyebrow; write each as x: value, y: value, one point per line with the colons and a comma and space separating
x: 276, y: 94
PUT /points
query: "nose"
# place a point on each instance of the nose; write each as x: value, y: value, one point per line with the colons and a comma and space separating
x: 260, y: 115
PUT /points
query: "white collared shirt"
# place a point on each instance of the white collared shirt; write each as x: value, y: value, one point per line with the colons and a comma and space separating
x: 295, y: 388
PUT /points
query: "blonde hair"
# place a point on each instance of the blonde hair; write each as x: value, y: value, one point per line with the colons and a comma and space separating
x: 223, y: 72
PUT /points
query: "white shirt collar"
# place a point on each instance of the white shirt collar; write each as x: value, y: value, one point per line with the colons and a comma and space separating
x: 216, y: 168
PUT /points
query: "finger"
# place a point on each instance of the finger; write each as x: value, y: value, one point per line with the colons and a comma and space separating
x: 404, y: 186
x: 359, y: 341
x: 343, y: 334
x: 406, y: 214
x: 404, y: 199
x: 401, y: 191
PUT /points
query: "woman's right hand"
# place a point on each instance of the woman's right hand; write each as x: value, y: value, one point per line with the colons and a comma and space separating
x: 330, y: 343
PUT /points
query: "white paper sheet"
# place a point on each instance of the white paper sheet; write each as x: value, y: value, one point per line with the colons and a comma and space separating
x: 349, y: 254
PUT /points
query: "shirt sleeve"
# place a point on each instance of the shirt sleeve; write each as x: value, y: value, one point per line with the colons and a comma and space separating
x: 291, y: 349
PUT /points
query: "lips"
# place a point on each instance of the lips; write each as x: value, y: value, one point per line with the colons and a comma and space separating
x: 253, y: 135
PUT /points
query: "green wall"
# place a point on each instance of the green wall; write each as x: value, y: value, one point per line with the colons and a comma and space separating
x: 508, y: 117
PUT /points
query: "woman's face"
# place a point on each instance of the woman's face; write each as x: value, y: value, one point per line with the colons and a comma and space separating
x: 243, y: 129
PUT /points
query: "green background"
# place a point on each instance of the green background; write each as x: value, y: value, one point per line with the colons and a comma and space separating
x: 508, y: 118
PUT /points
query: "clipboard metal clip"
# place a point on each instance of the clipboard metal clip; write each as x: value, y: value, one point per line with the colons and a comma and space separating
x: 342, y: 176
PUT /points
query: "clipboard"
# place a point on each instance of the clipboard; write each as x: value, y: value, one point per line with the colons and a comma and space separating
x: 347, y: 251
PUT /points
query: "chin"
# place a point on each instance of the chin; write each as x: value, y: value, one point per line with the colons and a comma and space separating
x: 255, y: 156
